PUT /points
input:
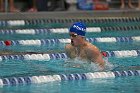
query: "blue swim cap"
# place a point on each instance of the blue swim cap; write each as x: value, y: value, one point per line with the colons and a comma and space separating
x: 78, y: 28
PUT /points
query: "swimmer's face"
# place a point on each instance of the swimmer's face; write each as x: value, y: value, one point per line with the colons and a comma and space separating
x: 75, y: 39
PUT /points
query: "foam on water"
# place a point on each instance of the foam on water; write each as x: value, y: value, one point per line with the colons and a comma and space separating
x: 88, y: 66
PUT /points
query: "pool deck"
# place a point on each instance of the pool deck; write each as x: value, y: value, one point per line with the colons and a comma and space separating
x: 70, y: 14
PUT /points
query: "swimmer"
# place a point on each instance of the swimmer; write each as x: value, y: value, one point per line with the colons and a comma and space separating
x: 82, y: 49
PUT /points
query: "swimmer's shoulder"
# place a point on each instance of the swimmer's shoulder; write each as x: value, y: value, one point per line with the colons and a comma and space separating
x: 91, y: 48
x: 69, y: 47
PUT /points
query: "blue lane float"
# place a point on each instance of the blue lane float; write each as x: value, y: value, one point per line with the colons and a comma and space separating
x: 66, y: 77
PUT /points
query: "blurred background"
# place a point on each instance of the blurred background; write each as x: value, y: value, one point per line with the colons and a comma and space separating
x: 66, y: 5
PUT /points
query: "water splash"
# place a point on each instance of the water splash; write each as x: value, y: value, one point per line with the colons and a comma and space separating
x: 88, y: 66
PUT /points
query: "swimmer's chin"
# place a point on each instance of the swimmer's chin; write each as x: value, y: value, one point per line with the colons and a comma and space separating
x: 72, y: 44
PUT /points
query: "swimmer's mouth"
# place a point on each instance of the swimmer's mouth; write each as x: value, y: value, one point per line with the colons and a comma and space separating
x: 72, y: 43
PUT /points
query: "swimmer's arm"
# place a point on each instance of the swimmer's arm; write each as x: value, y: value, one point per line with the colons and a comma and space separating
x: 68, y: 50
x: 95, y: 56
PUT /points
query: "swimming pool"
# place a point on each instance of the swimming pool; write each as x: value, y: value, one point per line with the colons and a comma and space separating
x: 49, y: 72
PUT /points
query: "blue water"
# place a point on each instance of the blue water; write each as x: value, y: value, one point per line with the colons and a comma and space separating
x: 17, y: 68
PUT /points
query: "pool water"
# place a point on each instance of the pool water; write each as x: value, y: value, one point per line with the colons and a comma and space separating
x: 21, y: 68
x: 117, y: 85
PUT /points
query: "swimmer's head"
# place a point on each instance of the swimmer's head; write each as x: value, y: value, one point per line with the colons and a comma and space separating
x: 79, y: 28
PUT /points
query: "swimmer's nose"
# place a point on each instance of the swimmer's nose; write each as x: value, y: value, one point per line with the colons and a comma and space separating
x: 71, y: 37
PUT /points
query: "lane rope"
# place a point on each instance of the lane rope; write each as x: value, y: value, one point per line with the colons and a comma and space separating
x: 38, y: 42
x: 66, y: 77
x: 65, y: 30
x: 55, y: 56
